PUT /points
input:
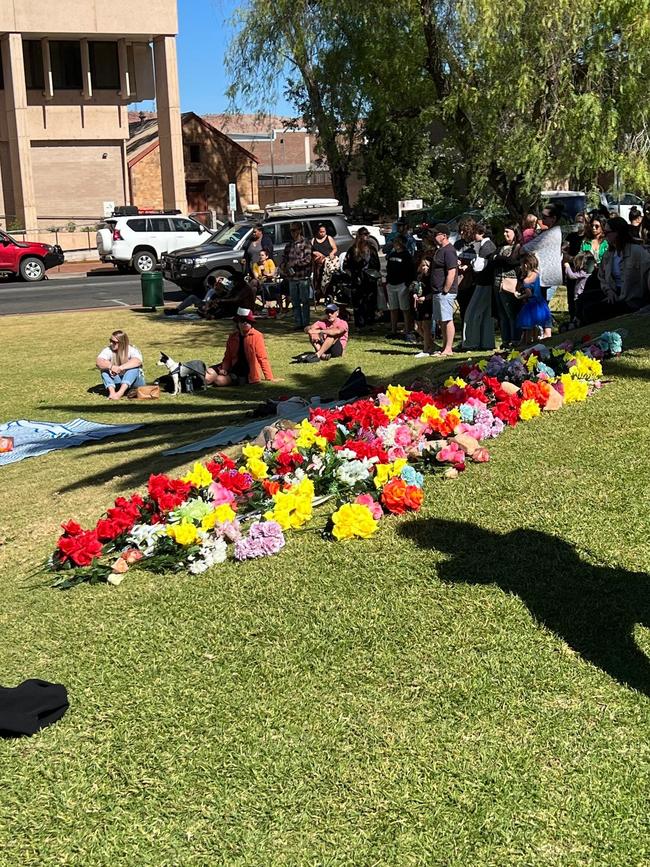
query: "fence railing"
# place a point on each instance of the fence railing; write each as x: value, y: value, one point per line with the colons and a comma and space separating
x: 295, y: 179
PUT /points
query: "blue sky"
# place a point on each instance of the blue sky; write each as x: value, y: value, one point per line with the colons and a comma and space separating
x: 203, y: 37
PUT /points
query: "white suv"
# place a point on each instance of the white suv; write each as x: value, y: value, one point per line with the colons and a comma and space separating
x: 138, y: 242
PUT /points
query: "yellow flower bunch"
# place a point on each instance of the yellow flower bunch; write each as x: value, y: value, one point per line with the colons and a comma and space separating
x: 386, y: 472
x: 184, y: 533
x: 574, y: 389
x: 455, y: 380
x: 430, y: 412
x: 529, y: 409
x: 585, y: 367
x: 252, y: 452
x: 293, y: 508
x: 258, y: 469
x: 308, y: 436
x: 220, y: 515
x: 254, y: 463
x: 352, y: 520
x: 397, y: 399
x: 199, y: 477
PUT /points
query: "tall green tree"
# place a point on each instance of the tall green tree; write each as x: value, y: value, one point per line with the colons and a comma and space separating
x: 317, y: 49
x: 532, y: 91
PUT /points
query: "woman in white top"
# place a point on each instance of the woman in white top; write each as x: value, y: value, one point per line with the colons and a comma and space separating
x: 120, y: 365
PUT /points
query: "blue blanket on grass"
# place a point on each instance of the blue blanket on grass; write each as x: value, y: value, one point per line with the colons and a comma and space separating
x: 33, y: 438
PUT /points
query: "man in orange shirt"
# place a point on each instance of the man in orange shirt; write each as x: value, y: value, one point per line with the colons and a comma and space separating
x: 245, y: 359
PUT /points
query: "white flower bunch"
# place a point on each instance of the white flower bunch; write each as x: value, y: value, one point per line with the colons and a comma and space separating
x: 212, y: 551
x: 145, y: 536
x: 352, y: 472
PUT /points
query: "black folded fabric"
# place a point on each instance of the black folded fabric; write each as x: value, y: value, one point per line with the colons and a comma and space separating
x: 29, y: 707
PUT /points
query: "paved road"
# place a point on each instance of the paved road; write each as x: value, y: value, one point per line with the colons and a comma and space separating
x: 75, y: 293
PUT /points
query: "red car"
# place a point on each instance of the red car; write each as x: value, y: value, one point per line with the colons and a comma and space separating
x: 27, y: 259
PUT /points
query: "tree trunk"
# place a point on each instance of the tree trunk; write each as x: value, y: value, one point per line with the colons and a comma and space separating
x: 339, y: 178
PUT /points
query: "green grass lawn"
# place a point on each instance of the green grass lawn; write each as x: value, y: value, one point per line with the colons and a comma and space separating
x: 469, y: 687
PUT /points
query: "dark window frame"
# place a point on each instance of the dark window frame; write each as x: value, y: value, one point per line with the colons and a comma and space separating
x: 115, y: 83
x: 67, y: 70
x: 33, y: 63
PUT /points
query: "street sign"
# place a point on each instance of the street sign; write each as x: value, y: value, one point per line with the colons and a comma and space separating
x: 232, y: 197
x: 409, y: 205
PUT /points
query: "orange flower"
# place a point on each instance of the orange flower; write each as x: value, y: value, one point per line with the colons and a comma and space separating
x: 270, y: 487
x: 398, y: 497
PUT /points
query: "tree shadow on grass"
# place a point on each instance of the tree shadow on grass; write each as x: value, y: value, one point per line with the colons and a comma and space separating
x: 594, y: 609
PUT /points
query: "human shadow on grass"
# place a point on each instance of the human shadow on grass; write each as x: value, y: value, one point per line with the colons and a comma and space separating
x: 594, y: 609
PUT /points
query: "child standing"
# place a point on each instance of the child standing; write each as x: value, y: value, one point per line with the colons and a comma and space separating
x: 535, y: 313
x: 529, y: 228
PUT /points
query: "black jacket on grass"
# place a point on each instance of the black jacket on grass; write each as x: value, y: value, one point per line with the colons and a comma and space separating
x: 29, y: 707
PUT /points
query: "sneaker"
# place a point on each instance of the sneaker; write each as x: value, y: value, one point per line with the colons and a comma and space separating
x: 422, y: 354
x: 410, y: 337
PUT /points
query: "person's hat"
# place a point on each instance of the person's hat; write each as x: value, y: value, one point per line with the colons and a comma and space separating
x: 244, y: 315
x: 332, y: 308
x: 440, y: 229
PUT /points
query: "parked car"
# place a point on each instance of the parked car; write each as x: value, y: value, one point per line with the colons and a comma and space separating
x: 27, y: 259
x: 374, y: 231
x: 622, y: 203
x: 138, y: 242
x: 223, y: 254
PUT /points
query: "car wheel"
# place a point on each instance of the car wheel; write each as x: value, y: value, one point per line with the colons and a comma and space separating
x: 144, y: 261
x: 32, y: 269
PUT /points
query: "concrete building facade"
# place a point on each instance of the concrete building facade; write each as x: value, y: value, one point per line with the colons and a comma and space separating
x: 67, y: 75
x: 212, y: 162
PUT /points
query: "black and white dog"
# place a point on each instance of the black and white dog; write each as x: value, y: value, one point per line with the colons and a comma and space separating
x: 184, y: 373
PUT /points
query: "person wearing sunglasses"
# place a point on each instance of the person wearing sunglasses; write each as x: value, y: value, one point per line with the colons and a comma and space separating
x: 120, y: 365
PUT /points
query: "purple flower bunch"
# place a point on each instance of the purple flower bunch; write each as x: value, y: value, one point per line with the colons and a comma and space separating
x: 485, y: 426
x: 264, y: 538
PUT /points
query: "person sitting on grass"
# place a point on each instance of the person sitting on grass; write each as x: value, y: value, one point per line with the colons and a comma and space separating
x: 120, y: 365
x: 202, y: 305
x: 245, y: 359
x: 329, y: 337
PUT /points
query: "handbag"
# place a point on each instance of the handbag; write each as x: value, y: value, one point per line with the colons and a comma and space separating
x: 509, y: 285
x: 144, y: 392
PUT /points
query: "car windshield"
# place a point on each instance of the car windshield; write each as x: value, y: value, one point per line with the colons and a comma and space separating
x: 5, y: 237
x: 230, y: 236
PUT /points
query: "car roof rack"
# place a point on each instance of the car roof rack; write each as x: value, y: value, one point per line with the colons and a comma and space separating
x: 329, y: 206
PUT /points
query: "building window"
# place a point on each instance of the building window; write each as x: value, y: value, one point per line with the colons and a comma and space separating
x: 195, y: 153
x: 33, y: 61
x: 104, y: 65
x: 65, y: 57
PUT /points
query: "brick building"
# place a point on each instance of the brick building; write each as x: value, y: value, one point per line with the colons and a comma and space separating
x: 68, y: 71
x: 289, y: 165
x: 212, y: 161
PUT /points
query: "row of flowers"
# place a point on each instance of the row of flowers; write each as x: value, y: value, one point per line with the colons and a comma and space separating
x: 367, y: 457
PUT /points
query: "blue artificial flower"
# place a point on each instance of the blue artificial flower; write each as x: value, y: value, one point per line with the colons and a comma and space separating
x: 544, y: 368
x: 467, y: 413
x: 411, y: 476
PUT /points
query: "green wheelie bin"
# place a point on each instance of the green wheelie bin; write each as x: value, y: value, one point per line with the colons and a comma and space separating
x: 152, y: 289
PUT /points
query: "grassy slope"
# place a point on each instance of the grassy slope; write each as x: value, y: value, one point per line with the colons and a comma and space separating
x: 420, y: 698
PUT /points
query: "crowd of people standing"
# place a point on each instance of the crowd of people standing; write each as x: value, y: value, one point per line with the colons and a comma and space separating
x: 492, y: 285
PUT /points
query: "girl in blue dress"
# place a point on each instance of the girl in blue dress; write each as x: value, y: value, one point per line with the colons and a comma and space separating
x: 535, y: 313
